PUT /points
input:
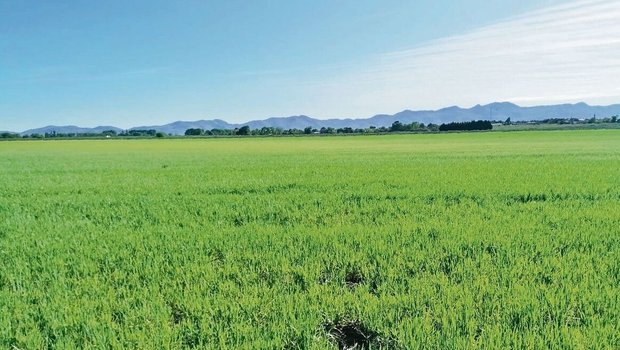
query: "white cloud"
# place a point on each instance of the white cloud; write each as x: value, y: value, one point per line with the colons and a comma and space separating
x: 563, y: 53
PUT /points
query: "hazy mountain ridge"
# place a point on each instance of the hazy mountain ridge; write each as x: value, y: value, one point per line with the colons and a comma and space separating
x: 70, y: 129
x: 493, y: 111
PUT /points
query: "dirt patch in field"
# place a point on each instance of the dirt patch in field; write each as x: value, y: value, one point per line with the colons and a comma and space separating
x: 353, y: 278
x: 350, y: 334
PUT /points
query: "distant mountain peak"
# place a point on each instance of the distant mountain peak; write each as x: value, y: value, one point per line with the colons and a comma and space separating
x: 70, y: 129
x: 501, y: 104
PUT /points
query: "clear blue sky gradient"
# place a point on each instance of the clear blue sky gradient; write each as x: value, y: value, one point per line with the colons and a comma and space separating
x: 129, y: 63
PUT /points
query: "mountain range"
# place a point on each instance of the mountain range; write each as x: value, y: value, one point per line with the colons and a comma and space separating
x: 70, y: 129
x: 493, y: 111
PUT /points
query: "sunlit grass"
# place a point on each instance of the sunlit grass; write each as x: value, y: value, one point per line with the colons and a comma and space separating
x: 490, y: 240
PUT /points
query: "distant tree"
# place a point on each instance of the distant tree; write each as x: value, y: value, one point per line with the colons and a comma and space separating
x: 464, y: 126
x: 432, y: 127
x: 9, y: 135
x: 194, y: 132
x: 414, y: 126
x: 308, y: 130
x: 267, y: 130
x: 293, y: 131
x: 160, y: 134
x: 396, y: 126
x: 244, y: 130
x: 614, y: 119
x: 221, y: 132
x: 150, y: 132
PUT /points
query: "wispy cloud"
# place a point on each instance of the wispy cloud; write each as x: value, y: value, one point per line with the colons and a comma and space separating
x: 563, y: 53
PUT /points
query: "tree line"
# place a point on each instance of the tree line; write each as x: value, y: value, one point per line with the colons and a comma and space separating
x: 106, y: 133
x: 397, y: 126
x: 9, y: 135
x: 467, y: 126
x: 561, y: 121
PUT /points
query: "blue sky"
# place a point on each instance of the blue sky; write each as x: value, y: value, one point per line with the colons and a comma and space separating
x: 129, y: 63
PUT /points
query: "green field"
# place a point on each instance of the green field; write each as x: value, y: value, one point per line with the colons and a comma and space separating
x: 523, y: 127
x: 444, y: 241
